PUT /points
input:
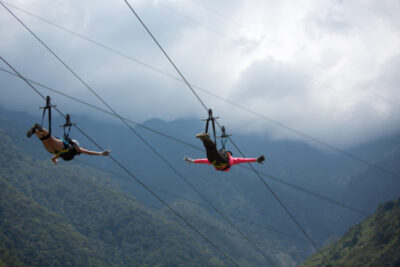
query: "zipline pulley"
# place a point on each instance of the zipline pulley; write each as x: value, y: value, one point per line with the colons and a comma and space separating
x: 67, y: 126
x: 224, y: 137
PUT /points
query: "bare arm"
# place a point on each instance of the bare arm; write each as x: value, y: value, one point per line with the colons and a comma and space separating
x: 55, y: 159
x: 93, y: 153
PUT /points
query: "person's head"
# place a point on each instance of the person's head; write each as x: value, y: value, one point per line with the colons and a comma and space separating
x: 226, y: 152
x: 75, y: 142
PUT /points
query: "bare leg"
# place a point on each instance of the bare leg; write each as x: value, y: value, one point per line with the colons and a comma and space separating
x: 51, y: 144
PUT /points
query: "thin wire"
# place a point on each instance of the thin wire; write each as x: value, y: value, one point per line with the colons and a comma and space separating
x: 105, y: 111
x: 100, y: 188
x: 166, y: 55
x: 256, y: 241
x: 263, y: 36
x: 202, y: 103
x: 138, y: 135
x: 281, y: 203
x: 106, y: 189
x: 264, y: 117
x: 307, y: 191
x: 303, y: 74
x: 132, y: 175
x: 157, y: 189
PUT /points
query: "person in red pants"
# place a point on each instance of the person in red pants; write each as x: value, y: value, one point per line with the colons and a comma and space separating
x: 222, y: 160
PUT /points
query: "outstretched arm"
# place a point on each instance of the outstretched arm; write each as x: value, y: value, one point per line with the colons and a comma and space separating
x: 93, y: 153
x: 198, y: 161
x: 242, y: 160
x: 55, y: 159
x: 260, y: 159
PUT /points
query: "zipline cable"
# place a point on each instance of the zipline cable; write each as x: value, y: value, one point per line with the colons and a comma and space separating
x: 202, y: 103
x: 110, y: 191
x: 166, y: 55
x: 138, y: 135
x: 275, y: 178
x: 128, y: 197
x: 105, y: 111
x: 118, y: 175
x: 257, y: 114
x: 133, y: 176
x: 263, y: 36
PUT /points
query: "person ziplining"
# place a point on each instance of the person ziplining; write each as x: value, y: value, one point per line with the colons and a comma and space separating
x: 65, y: 148
x: 221, y: 159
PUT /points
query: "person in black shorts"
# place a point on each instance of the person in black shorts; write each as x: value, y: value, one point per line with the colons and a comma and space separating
x: 66, y: 149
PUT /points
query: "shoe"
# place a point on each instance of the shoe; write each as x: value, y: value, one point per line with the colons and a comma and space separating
x: 203, y: 136
x: 33, y: 129
x: 38, y: 127
x: 261, y: 159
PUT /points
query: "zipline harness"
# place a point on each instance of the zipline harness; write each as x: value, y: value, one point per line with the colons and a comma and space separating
x: 48, y: 108
x: 223, y: 136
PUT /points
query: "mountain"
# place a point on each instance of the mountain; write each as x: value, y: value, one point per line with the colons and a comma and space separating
x: 373, y: 242
x: 239, y: 194
x: 33, y: 236
x: 69, y: 216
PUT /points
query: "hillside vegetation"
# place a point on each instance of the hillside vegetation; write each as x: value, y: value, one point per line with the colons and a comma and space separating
x: 53, y: 216
x: 374, y: 242
x: 116, y: 222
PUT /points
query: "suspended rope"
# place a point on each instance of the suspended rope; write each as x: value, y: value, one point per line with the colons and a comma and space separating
x: 261, y: 116
x: 255, y: 171
x: 275, y: 178
x: 132, y: 175
x: 139, y: 136
x: 48, y: 109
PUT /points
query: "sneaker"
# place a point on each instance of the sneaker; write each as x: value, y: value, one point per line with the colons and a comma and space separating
x: 33, y: 129
x: 202, y: 135
x: 38, y: 127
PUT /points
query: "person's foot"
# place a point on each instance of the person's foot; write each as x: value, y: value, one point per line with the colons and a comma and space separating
x: 38, y: 127
x: 33, y: 129
x: 203, y: 136
x: 261, y: 159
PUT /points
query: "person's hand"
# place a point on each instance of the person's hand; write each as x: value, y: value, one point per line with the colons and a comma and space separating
x: 261, y: 159
x: 188, y: 160
x: 106, y: 152
x: 55, y: 160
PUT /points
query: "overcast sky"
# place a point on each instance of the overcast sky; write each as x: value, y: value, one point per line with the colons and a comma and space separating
x: 327, y: 68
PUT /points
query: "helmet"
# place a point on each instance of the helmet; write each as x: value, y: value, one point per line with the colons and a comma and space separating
x: 75, y: 142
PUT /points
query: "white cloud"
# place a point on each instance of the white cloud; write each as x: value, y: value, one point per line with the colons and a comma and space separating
x: 315, y: 66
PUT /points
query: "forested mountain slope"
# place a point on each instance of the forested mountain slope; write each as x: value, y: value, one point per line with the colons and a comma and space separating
x: 373, y: 242
x: 81, y: 194
x: 59, y: 216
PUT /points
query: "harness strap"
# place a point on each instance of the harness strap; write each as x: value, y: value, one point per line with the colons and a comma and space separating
x: 62, y: 151
x: 47, y: 107
x: 212, y: 119
x: 67, y: 127
x: 218, y: 166
x: 68, y: 146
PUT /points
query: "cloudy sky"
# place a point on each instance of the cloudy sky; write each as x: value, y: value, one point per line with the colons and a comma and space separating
x: 327, y: 68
